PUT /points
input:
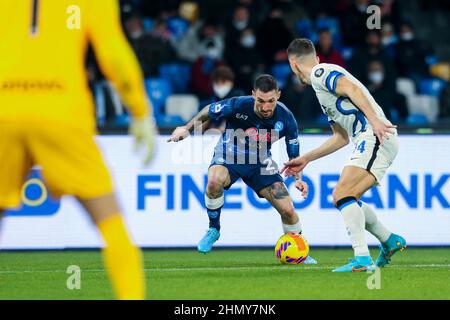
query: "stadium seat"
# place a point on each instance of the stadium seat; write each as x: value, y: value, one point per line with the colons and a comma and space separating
x: 427, y: 106
x: 304, y: 29
x: 178, y: 74
x: 432, y: 86
x: 281, y: 71
x: 441, y: 70
x: 416, y: 119
x: 178, y: 27
x: 183, y: 105
x: 332, y: 24
x: 347, y: 53
x: 148, y: 24
x: 406, y: 87
x: 158, y: 89
x: 322, y: 120
x: 431, y: 60
x: 169, y: 121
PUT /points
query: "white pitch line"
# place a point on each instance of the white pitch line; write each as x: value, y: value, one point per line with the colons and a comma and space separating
x: 278, y: 268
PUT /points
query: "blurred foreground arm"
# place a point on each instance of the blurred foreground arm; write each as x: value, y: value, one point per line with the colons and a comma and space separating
x: 119, y: 64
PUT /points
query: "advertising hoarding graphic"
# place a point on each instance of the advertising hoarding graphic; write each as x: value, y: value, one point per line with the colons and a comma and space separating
x: 167, y: 197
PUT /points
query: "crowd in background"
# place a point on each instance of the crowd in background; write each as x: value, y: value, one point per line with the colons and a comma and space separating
x: 225, y: 44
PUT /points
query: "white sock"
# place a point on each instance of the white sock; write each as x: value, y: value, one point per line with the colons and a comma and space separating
x: 294, y: 228
x: 373, y: 225
x: 355, y: 222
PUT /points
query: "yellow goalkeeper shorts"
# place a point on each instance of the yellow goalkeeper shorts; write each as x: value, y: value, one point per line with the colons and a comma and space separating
x: 70, y: 160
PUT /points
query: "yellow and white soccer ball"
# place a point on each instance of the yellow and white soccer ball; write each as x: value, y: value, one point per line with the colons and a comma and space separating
x: 291, y: 248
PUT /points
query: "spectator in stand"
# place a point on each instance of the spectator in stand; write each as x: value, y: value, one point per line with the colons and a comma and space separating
x: 223, y: 86
x: 198, y: 37
x: 389, y: 39
x: 301, y: 100
x: 410, y: 57
x: 353, y: 23
x: 325, y: 50
x: 202, y: 69
x: 240, y: 21
x: 373, y: 51
x: 383, y: 94
x: 152, y: 50
x: 246, y: 60
x: 273, y: 37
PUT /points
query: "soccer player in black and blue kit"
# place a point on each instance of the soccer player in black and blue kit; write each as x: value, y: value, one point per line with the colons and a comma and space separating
x: 253, y: 123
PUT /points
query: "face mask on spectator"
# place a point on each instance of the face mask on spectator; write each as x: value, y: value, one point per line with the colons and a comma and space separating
x: 407, y: 36
x: 248, y: 41
x: 221, y: 90
x: 136, y: 34
x: 376, y: 77
x: 213, y: 53
x: 240, y: 25
x: 388, y: 40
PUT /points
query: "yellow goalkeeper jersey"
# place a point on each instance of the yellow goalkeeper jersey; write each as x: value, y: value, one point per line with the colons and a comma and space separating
x: 43, y: 45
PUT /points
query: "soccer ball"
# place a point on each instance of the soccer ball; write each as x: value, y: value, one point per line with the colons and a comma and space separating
x: 291, y: 248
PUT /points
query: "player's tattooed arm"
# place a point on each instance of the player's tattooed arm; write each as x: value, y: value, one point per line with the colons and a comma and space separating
x: 199, y: 119
x: 183, y: 132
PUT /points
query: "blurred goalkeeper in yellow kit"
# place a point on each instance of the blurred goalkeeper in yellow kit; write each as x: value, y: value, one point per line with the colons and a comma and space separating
x: 47, y: 114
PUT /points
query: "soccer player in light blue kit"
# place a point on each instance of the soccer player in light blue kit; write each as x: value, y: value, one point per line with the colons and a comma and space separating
x: 253, y: 123
x: 352, y: 112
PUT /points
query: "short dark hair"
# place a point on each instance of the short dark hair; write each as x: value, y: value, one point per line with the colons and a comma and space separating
x: 301, y: 47
x: 265, y: 83
x: 222, y: 73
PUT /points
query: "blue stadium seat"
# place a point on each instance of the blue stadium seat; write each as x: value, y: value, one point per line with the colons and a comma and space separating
x: 281, y: 71
x: 432, y: 86
x: 158, y: 90
x: 416, y: 119
x: 322, y: 120
x: 178, y: 27
x: 148, y: 24
x: 347, y: 53
x: 331, y: 24
x: 431, y: 60
x: 178, y: 74
x: 169, y: 121
x: 304, y: 29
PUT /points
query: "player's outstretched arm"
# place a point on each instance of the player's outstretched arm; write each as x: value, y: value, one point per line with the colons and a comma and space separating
x: 338, y: 140
x: 345, y: 87
x: 183, y: 132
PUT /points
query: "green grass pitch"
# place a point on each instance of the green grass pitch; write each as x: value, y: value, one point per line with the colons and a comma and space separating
x: 416, y: 273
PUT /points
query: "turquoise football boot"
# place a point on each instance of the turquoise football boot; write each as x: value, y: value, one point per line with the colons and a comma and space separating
x: 393, y: 244
x: 310, y: 260
x: 358, y: 264
x: 205, y: 245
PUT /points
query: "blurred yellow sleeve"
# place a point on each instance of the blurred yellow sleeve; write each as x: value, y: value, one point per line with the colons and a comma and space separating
x: 115, y: 55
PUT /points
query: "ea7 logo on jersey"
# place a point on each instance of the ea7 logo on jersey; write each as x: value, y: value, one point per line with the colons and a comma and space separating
x: 218, y: 107
x: 241, y: 116
x: 293, y: 141
x: 319, y: 72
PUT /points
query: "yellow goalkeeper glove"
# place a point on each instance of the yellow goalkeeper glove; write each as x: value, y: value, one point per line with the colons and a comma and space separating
x: 144, y: 131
